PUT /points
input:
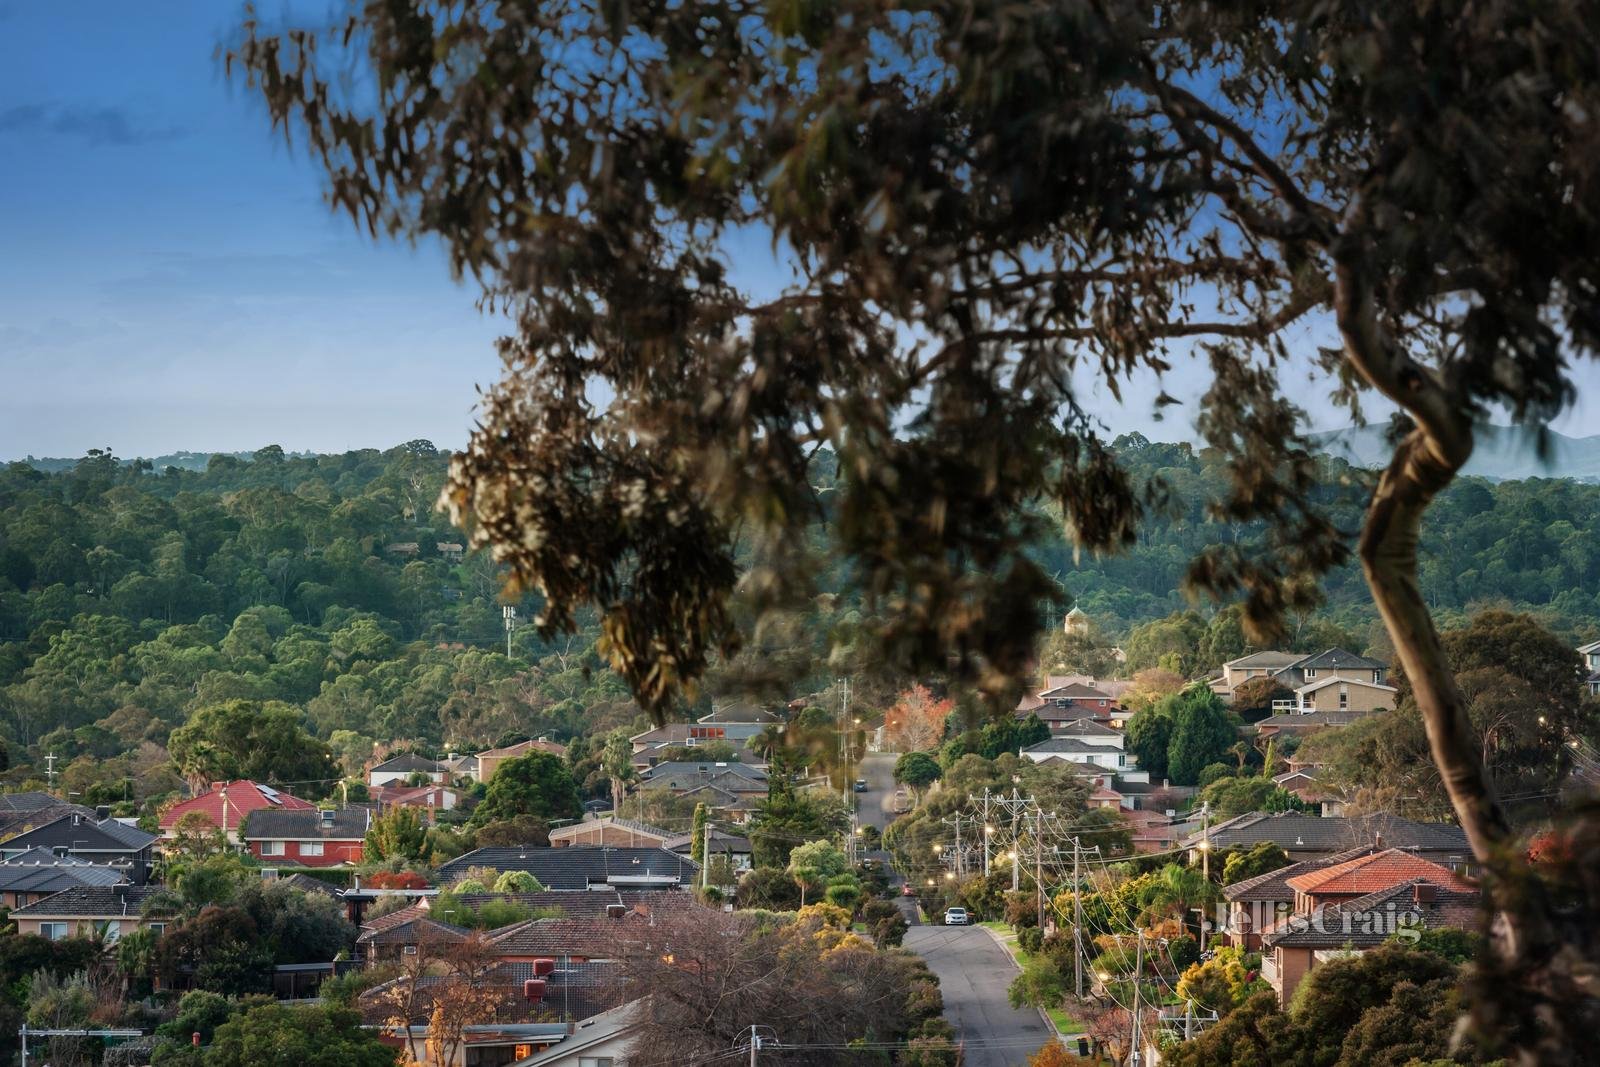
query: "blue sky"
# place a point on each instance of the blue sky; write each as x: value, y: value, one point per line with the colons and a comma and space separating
x: 172, y: 279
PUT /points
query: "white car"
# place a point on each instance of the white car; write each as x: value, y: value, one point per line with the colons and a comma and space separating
x: 956, y: 917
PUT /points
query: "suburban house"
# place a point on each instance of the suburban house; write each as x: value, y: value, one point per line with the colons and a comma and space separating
x: 115, y: 909
x: 226, y: 804
x: 582, y: 867
x: 1333, y: 663
x: 428, y: 798
x: 602, y: 1040
x: 720, y: 843
x: 1306, y: 837
x: 1302, y: 782
x: 1070, y: 697
x: 1236, y: 672
x: 397, y: 770
x: 1591, y: 666
x: 405, y: 932
x: 106, y: 842
x: 1259, y: 903
x: 1100, y: 752
x: 449, y: 550
x: 694, y: 734
x: 39, y: 873
x: 1358, y: 904
x: 619, y: 833
x: 489, y: 762
x: 312, y: 838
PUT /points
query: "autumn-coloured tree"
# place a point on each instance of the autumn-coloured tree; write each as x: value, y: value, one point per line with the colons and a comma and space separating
x: 916, y: 722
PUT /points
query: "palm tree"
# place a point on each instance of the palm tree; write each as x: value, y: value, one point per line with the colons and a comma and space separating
x: 1177, y: 891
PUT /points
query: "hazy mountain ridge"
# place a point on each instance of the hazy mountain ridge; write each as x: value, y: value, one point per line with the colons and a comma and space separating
x: 1503, y: 453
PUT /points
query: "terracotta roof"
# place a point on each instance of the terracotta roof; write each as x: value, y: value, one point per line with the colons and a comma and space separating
x: 1274, y: 885
x: 415, y: 928
x: 1369, y: 920
x: 1375, y: 872
x: 243, y: 797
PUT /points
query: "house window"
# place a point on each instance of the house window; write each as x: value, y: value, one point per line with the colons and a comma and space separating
x: 1311, y: 672
x: 596, y: 1061
x: 410, y: 950
x: 311, y: 848
x: 156, y: 928
x: 1377, y: 677
x: 113, y: 931
x: 53, y: 931
x: 1344, y: 697
x: 272, y: 848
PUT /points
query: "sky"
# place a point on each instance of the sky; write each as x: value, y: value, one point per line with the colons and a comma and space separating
x: 172, y: 279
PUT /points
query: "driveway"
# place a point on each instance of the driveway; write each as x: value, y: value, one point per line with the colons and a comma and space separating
x: 974, y: 973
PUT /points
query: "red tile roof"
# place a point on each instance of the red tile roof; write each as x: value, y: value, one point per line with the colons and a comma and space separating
x: 243, y: 797
x: 1371, y: 874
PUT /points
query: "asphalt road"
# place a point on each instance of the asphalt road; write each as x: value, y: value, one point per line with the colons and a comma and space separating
x: 875, y: 807
x: 974, y: 973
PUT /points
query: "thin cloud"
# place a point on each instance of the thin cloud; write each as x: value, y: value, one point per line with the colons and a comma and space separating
x: 99, y: 125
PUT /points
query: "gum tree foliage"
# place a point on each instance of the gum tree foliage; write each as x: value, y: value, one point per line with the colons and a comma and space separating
x: 981, y: 201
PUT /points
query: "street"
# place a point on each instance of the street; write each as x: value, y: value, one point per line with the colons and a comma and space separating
x: 974, y: 973
x: 876, y: 805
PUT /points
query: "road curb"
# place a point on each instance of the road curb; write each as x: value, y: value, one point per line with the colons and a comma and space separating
x: 1049, y: 1023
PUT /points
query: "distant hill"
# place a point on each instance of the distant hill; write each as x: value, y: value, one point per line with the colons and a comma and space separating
x: 189, y: 461
x: 1503, y: 453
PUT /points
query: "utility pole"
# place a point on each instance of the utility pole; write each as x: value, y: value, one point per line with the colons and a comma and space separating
x: 50, y: 771
x: 1205, y: 842
x: 1038, y: 862
x: 705, y: 857
x: 1138, y: 972
x: 1188, y: 1019
x: 1077, y: 921
x: 987, y: 829
x: 755, y: 1043
x: 1016, y: 851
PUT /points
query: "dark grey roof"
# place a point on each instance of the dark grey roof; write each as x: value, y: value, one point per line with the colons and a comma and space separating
x: 347, y: 824
x: 721, y: 841
x: 1298, y: 832
x: 86, y: 901
x: 41, y: 871
x: 407, y: 761
x: 580, y: 866
x: 307, y: 884
x: 83, y: 835
x: 32, y: 800
x: 1368, y: 921
x: 1335, y: 659
x: 131, y: 836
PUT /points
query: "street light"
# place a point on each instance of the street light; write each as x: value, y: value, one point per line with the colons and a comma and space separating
x: 949, y: 876
x: 937, y: 848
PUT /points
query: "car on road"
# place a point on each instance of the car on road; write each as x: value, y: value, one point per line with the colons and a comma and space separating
x: 902, y: 802
x: 861, y: 785
x: 956, y: 917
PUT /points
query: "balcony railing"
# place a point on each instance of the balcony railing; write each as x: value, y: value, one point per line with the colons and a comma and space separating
x: 1280, y: 706
x: 1269, y: 971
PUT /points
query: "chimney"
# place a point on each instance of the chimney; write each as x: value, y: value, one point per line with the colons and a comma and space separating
x: 102, y: 812
x: 616, y: 911
x: 1424, y: 893
x: 218, y: 786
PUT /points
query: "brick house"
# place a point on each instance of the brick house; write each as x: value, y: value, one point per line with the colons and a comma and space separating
x: 113, y: 909
x: 308, y: 838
